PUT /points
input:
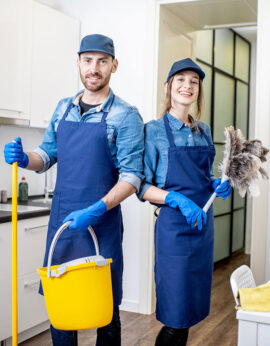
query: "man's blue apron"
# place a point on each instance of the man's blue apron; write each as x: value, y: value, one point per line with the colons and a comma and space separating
x: 85, y: 173
x: 184, y: 255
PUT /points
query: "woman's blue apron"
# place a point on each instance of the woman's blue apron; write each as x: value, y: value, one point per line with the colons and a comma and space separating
x: 184, y: 255
x: 85, y: 173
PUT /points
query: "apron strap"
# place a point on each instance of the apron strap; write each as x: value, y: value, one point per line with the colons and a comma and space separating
x: 205, y: 136
x: 67, y: 110
x: 104, y: 116
x: 168, y: 130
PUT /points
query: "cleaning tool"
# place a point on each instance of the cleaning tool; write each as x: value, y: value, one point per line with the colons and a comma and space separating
x: 14, y: 256
x: 242, y: 164
x: 78, y: 294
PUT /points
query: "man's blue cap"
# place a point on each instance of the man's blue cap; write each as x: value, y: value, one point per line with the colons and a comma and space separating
x: 185, y: 64
x: 97, y: 43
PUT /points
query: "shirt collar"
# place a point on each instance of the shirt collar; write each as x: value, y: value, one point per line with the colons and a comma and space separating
x: 178, y: 124
x: 105, y: 106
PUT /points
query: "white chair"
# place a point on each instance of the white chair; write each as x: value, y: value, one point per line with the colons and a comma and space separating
x: 242, y: 277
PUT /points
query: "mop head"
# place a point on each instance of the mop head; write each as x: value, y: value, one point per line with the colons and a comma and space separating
x: 242, y: 162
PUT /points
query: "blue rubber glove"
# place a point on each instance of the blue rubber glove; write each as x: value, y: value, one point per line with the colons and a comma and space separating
x: 14, y: 152
x: 188, y: 208
x: 223, y: 190
x: 83, y: 218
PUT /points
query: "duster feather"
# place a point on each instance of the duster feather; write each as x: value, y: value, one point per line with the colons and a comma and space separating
x: 241, y: 164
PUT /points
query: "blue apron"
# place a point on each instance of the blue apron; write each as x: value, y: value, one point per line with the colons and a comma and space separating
x: 184, y: 255
x: 85, y: 173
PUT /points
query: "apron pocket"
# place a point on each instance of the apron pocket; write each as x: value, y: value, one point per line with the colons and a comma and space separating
x: 171, y: 237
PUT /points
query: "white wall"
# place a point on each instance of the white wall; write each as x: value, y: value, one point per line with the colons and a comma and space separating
x: 260, y: 247
x: 176, y: 41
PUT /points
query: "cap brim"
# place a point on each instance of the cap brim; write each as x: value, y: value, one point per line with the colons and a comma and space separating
x: 94, y: 50
x: 200, y: 72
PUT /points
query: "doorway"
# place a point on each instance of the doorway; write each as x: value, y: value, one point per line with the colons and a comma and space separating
x: 185, y: 28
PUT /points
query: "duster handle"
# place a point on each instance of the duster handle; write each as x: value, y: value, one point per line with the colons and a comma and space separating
x: 212, y: 198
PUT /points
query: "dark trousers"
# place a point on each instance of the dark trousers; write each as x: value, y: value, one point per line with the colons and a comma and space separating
x: 109, y: 335
x: 168, y: 336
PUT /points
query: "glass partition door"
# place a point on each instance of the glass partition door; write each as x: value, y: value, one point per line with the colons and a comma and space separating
x: 225, y: 57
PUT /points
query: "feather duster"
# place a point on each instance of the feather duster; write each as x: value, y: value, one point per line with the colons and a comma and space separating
x: 241, y: 164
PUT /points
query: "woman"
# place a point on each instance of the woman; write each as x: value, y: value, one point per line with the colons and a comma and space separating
x: 179, y: 156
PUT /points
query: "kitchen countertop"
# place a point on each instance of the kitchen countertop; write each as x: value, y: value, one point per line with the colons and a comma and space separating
x: 41, y: 209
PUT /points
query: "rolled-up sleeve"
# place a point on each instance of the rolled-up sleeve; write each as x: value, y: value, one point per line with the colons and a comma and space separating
x: 130, y: 147
x: 45, y: 158
x: 150, y: 161
x: 48, y: 148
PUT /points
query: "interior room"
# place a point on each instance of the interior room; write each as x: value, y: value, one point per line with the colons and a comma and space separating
x: 40, y: 40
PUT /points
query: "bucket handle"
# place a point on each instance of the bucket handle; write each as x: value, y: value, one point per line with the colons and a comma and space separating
x: 56, y: 237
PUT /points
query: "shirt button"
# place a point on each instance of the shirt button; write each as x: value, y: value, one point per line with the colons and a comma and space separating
x: 190, y: 135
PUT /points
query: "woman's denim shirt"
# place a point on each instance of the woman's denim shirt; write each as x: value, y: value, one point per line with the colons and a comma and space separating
x: 157, y: 144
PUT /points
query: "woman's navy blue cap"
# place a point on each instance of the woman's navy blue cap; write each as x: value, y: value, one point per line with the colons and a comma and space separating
x: 97, y: 43
x: 185, y: 64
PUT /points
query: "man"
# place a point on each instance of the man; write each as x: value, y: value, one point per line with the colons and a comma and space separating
x: 97, y: 140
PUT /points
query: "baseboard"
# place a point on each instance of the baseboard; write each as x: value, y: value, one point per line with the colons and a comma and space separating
x: 29, y: 333
x: 129, y: 305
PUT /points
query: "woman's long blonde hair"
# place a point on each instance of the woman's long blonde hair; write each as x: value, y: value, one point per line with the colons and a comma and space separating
x: 199, y: 105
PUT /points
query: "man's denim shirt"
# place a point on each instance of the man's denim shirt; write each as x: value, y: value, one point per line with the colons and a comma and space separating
x: 157, y: 145
x: 125, y: 133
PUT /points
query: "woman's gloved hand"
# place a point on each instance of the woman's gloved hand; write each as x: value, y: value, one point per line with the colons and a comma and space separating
x: 14, y: 153
x: 222, y: 190
x: 83, y: 218
x: 188, y: 208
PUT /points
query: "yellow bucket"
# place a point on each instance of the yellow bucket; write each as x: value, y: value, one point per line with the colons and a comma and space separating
x: 78, y: 294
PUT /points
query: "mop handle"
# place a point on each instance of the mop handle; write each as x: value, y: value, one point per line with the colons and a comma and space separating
x: 14, y: 257
x: 56, y: 237
x: 213, y: 196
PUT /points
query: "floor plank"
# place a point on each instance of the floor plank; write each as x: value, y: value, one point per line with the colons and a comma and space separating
x: 218, y: 329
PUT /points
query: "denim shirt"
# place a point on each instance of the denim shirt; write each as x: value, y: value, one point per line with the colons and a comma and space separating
x: 157, y: 144
x: 125, y: 133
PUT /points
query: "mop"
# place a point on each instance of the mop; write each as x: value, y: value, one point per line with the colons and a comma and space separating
x: 242, y: 164
x: 14, y: 257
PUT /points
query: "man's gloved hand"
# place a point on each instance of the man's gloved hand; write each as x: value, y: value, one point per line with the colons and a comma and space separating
x: 14, y: 153
x: 222, y: 190
x: 188, y: 208
x: 83, y: 218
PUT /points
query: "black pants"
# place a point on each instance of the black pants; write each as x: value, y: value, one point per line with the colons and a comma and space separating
x: 109, y: 335
x: 168, y: 336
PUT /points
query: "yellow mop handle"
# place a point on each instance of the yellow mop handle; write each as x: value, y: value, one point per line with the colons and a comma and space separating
x: 14, y: 257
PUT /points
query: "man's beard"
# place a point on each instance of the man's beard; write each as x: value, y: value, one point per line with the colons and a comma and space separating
x: 97, y: 87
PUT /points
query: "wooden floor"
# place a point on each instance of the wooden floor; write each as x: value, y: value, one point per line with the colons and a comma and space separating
x: 218, y: 329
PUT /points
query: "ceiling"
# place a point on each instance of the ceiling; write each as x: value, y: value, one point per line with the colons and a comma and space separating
x: 249, y: 33
x: 211, y: 13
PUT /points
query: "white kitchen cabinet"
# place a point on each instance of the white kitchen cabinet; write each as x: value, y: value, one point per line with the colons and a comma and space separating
x: 5, y: 280
x: 15, y: 58
x: 31, y: 247
x: 54, y: 73
x: 253, y: 328
x: 38, y: 61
